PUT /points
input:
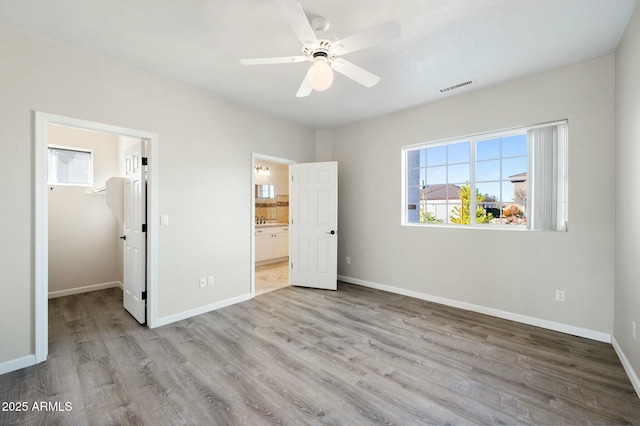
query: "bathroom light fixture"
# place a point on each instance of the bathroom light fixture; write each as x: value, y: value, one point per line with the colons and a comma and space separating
x: 260, y: 171
x: 320, y: 75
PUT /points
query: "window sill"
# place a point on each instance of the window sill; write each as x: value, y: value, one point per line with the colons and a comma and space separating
x: 519, y: 228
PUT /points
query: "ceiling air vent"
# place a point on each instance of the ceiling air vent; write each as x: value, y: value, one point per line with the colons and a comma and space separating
x: 458, y: 86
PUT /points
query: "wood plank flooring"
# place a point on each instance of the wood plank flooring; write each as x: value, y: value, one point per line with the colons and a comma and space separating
x: 299, y: 356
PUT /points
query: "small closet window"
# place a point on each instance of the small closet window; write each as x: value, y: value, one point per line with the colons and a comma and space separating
x: 70, y: 166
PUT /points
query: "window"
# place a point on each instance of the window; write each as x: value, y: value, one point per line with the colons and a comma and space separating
x: 70, y: 166
x: 512, y: 179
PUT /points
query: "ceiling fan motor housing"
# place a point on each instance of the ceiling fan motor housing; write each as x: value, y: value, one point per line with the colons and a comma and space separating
x: 320, y: 49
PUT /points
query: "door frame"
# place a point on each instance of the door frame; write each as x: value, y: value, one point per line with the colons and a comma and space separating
x: 264, y: 157
x: 41, y: 218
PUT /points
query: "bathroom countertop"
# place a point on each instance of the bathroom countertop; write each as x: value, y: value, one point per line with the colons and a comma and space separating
x: 270, y: 225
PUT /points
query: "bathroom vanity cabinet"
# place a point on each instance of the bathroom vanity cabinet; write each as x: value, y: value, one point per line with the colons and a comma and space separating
x: 272, y: 243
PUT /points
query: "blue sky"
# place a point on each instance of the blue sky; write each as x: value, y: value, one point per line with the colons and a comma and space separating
x: 496, y: 160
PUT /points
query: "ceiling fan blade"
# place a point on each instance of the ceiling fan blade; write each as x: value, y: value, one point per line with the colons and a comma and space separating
x: 305, y: 88
x: 371, y: 37
x: 354, y: 72
x: 269, y: 61
x: 297, y: 20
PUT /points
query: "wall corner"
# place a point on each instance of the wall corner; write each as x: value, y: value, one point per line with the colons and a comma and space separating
x: 324, y: 145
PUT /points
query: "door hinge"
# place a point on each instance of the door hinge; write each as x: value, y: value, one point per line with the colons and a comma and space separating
x: 145, y: 161
x: 144, y: 227
x: 291, y: 265
x: 144, y: 295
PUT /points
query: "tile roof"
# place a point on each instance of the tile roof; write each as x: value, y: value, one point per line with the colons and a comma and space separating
x: 445, y: 191
x: 520, y: 177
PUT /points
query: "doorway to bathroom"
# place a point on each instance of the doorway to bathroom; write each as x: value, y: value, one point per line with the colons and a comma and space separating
x: 270, y: 230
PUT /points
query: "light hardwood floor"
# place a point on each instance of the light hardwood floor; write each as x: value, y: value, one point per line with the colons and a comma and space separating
x: 299, y: 356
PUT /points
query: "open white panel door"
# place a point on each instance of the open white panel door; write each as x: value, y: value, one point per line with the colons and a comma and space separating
x: 135, y: 241
x: 314, y: 225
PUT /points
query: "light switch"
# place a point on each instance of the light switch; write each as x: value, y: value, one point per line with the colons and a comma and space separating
x: 164, y: 220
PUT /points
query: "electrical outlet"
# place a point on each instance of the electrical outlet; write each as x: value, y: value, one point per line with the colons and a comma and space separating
x: 348, y: 260
x: 203, y: 282
x: 210, y: 280
x: 633, y: 329
x: 560, y: 296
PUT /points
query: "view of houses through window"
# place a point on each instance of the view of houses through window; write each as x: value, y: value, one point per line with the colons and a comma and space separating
x: 482, y: 180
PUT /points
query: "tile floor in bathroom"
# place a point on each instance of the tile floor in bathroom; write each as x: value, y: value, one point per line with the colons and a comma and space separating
x: 272, y: 277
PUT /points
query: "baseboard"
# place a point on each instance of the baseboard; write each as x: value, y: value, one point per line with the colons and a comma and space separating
x: 85, y: 289
x: 550, y: 325
x: 202, y: 310
x: 17, y: 364
x: 635, y: 380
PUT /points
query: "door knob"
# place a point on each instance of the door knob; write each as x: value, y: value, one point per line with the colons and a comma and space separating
x: 332, y: 232
x: 124, y: 237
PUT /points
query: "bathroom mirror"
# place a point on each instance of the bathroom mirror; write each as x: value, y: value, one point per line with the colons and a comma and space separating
x: 265, y: 191
x: 266, y: 205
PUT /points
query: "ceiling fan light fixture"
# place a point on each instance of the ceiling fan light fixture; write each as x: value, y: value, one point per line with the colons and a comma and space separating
x: 320, y: 76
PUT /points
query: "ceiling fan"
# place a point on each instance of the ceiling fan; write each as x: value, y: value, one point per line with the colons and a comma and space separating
x: 324, y: 49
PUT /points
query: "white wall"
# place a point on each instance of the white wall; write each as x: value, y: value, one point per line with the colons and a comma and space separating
x: 511, y: 271
x: 205, y: 166
x: 627, y: 285
x: 83, y: 232
x: 324, y: 145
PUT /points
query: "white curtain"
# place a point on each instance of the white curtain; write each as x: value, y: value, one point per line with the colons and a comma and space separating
x: 546, y: 183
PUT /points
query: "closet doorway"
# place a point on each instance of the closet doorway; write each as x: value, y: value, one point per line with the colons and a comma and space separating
x: 43, y: 121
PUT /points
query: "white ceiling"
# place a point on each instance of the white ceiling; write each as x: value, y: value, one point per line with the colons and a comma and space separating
x: 443, y: 42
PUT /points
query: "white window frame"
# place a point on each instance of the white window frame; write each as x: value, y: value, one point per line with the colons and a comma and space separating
x: 75, y: 149
x: 473, y: 139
